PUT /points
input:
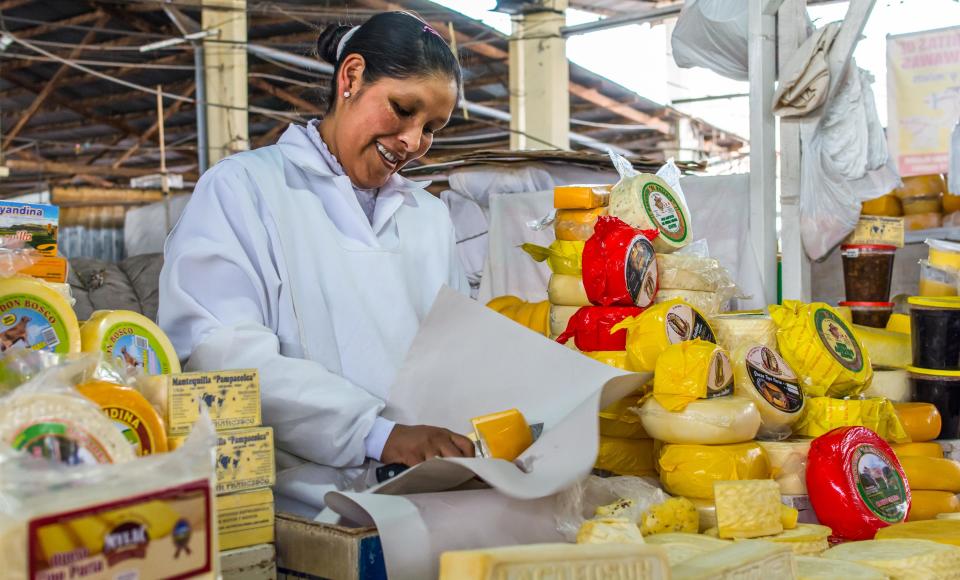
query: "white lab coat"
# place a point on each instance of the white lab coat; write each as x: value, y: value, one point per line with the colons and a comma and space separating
x: 273, y: 265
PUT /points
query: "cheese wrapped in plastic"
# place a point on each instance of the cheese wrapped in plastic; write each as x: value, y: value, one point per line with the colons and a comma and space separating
x: 826, y: 413
x: 886, y: 348
x: 928, y: 504
x: 131, y: 340
x: 35, y: 315
x: 921, y: 421
x: 788, y: 464
x: 625, y: 456
x: 821, y: 348
x: 590, y: 328
x: 619, y: 265
x: 931, y: 473
x: 709, y: 303
x: 691, y: 470
x: 901, y: 559
x: 563, y: 290
x: 691, y: 370
x: 560, y: 318
x: 661, y: 325
x: 581, y: 196
x: 614, y: 358
x: 893, y: 384
x: 737, y: 329
x: 137, y: 420
x: 576, y: 225
x: 561, y: 257
x: 682, y: 271
x: 944, y: 531
x: 718, y: 421
x: 761, y: 375
x: 646, y: 202
x: 620, y: 421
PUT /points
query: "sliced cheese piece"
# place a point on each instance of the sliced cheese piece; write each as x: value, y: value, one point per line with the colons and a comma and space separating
x: 920, y: 420
x: 740, y: 560
x: 625, y: 456
x: 707, y: 511
x: 677, y: 514
x: 813, y: 568
x: 761, y: 375
x: 614, y: 358
x: 504, y: 435
x: 827, y: 413
x: 932, y: 473
x: 576, y: 225
x: 805, y: 539
x: 581, y: 196
x: 131, y: 340
x: 709, y: 303
x: 692, y: 470
x: 886, y: 348
x: 717, y: 421
x: 945, y: 531
x: 691, y: 272
x: 928, y: 504
x: 893, y: 384
x: 736, y: 330
x: 788, y: 464
x: 789, y: 517
x: 619, y: 420
x: 681, y: 547
x: 560, y: 318
x: 33, y: 315
x: 556, y: 561
x: 661, y: 325
x: 565, y: 290
x: 646, y: 202
x: 609, y: 531
x: 748, y: 508
x: 691, y: 370
x: 902, y: 559
x: 926, y: 449
x: 245, y: 519
x: 135, y: 418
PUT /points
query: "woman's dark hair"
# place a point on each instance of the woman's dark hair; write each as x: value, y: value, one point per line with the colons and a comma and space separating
x: 395, y: 45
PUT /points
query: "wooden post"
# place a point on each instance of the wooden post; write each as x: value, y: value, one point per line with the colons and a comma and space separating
x: 226, y: 77
x: 164, y: 179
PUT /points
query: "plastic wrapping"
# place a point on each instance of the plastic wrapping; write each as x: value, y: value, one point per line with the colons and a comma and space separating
x: 885, y: 205
x: 719, y: 421
x: 761, y: 375
x: 713, y: 34
x: 709, y: 303
x: 856, y: 483
x: 661, y: 325
x: 625, y: 456
x: 931, y: 473
x: 937, y: 281
x: 652, y: 202
x: 132, y: 414
x: 788, y: 464
x: 85, y: 517
x: 942, y: 389
x: 736, y: 329
x: 614, y: 358
x: 826, y: 413
x: 563, y: 290
x: 619, y: 265
x: 620, y: 420
x: 561, y: 257
x: 131, y: 340
x: 590, y: 328
x: 821, y: 348
x: 579, y: 502
x: 691, y: 470
x: 688, y: 271
x: 576, y: 225
x: 921, y: 421
x: 691, y: 370
x: 944, y: 254
x: 581, y: 196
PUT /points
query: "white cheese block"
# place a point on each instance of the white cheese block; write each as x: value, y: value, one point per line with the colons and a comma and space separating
x: 704, y: 422
x: 893, y: 384
x: 762, y: 376
x: 788, y: 464
x: 560, y: 318
x: 609, y: 531
x: 709, y: 303
x: 566, y: 290
x: 755, y: 560
x: 812, y: 568
x: 902, y: 559
x: 646, y: 202
x: 734, y: 330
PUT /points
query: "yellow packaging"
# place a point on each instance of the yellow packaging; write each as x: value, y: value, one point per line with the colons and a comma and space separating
x: 504, y: 435
x: 928, y: 504
x: 576, y: 225
x: 564, y: 290
x: 131, y: 413
x: 533, y: 315
x: 48, y: 268
x: 661, y: 325
x: 944, y: 254
x: 691, y: 470
x: 943, y: 530
x: 625, y: 456
x: 615, y: 358
x: 245, y: 519
x: 937, y: 280
x: 951, y: 203
x: 231, y: 398
x: 885, y: 205
x: 931, y: 473
x: 131, y: 340
x: 874, y: 230
x: 885, y: 348
x: 928, y: 204
x: 618, y: 421
x: 35, y: 315
x: 845, y: 313
x: 581, y: 196
x: 821, y: 348
x: 561, y: 257
x: 926, y: 449
x: 500, y: 303
x: 899, y: 323
x: 826, y: 413
x: 691, y: 370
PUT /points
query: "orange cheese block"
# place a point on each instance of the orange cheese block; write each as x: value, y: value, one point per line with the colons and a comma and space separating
x: 576, y: 225
x: 921, y: 185
x: 886, y: 205
x: 136, y: 419
x: 932, y: 473
x: 503, y: 435
x: 951, y: 203
x: 927, y: 449
x: 581, y: 196
x: 926, y: 504
x: 921, y: 421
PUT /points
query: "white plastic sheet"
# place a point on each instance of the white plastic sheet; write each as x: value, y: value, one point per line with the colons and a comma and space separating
x: 713, y: 34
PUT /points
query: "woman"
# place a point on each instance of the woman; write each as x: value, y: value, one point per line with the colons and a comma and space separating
x: 313, y: 261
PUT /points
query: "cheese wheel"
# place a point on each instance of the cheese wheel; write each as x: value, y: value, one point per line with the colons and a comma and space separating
x: 63, y: 427
x: 821, y: 348
x: 921, y: 186
x: 891, y: 384
x: 814, y: 568
x: 735, y: 330
x: 922, y: 221
x: 565, y: 290
x: 928, y: 504
x: 581, y: 196
x: 899, y: 323
x: 709, y: 303
x: 691, y: 370
x: 691, y: 272
x: 931, y: 473
x: 614, y: 358
x: 35, y: 316
x: 901, y: 559
x: 761, y: 375
x: 131, y: 340
x: 921, y: 421
x: 826, y: 413
x: 576, y: 225
x: 661, y: 325
x: 856, y: 483
x: 944, y: 531
x: 560, y: 318
x: 619, y: 265
x: 619, y: 420
x: 590, y: 328
x: 788, y: 464
x: 886, y: 348
x: 719, y: 421
x: 928, y: 449
x: 646, y: 202
x: 136, y: 419
x: 885, y: 205
x: 691, y: 470
x: 625, y: 456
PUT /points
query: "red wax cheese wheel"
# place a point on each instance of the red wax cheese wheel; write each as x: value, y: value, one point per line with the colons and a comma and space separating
x: 590, y: 327
x: 856, y: 484
x: 620, y: 265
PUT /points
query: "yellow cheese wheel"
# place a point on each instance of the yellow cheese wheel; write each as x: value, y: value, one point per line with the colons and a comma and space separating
x: 565, y: 290
x: 927, y: 504
x: 619, y: 420
x: 928, y: 449
x: 944, y: 531
x: 33, y: 315
x: 885, y: 205
x: 921, y: 205
x: 736, y: 329
x: 625, y: 456
x: 691, y: 370
x: 560, y: 318
x: 932, y: 473
x: 899, y: 323
x: 581, y: 196
x: 136, y: 419
x: 885, y: 348
x: 615, y: 358
x: 821, y: 348
x: 691, y: 470
x: 761, y: 375
x: 921, y: 421
x: 646, y: 202
x: 661, y: 325
x: 922, y: 221
x: 921, y: 185
x: 576, y: 225
x: 719, y: 421
x: 131, y: 340
x: 825, y: 414
x: 951, y: 203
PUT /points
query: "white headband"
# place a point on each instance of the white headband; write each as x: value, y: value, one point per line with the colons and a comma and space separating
x: 343, y: 41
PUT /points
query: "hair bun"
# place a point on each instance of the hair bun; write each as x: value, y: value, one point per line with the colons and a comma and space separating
x: 328, y: 41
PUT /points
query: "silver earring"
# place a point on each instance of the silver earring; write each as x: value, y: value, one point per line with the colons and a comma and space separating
x: 346, y: 94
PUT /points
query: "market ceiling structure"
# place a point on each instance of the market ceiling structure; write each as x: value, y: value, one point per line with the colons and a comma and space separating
x: 77, y: 104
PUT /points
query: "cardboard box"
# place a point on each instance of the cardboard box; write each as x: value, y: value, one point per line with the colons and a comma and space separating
x: 245, y: 519
x: 252, y: 563
x: 36, y: 224
x: 231, y: 398
x: 307, y: 549
x: 886, y: 231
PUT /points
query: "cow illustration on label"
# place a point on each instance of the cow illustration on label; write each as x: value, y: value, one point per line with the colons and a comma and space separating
x: 15, y: 334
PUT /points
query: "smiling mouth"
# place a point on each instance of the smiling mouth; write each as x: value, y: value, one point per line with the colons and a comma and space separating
x: 387, y: 156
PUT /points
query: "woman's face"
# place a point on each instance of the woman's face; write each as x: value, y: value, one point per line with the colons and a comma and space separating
x: 386, y: 124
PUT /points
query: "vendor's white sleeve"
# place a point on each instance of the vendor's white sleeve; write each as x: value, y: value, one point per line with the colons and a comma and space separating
x: 377, y: 438
x: 219, y: 300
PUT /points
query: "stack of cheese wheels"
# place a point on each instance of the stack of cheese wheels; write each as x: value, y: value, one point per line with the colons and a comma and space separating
x: 934, y: 479
x: 921, y: 199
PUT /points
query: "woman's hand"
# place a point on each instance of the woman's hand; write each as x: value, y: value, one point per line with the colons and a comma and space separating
x: 413, y: 444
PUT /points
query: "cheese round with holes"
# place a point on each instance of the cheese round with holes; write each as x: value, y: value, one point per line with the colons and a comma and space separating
x: 130, y: 340
x: 133, y: 416
x: 761, y: 375
x: 718, y: 421
x: 35, y: 316
x: 661, y: 325
x: 646, y: 202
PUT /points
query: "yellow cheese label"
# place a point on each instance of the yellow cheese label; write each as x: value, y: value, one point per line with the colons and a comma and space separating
x: 245, y: 519
x: 231, y: 398
x: 245, y: 460
x: 873, y: 230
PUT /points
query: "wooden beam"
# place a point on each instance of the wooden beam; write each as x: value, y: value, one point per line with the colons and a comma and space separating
x: 27, y: 166
x: 303, y: 105
x: 171, y: 110
x: 57, y: 25
x: 626, y: 111
x: 11, y: 4
x: 94, y: 195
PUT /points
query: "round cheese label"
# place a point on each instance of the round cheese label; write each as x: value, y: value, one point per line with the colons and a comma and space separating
x: 684, y: 323
x: 133, y: 429
x: 774, y: 380
x: 720, y: 375
x: 60, y: 441
x: 878, y: 484
x: 135, y: 349
x: 839, y: 340
x: 640, y: 270
x: 28, y: 322
x: 664, y: 210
